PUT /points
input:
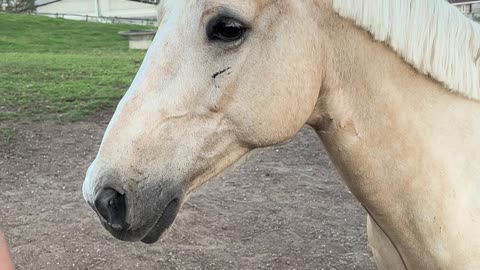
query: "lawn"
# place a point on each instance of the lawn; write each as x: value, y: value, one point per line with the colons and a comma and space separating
x: 59, y: 69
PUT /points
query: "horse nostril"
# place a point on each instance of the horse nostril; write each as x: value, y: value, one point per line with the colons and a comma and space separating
x: 112, y: 207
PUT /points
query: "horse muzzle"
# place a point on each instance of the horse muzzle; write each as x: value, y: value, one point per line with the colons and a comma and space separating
x: 142, y: 214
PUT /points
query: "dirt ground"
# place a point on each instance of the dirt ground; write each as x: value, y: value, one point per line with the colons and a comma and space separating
x: 285, y: 208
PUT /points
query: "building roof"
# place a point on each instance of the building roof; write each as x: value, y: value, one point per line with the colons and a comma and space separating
x: 153, y: 2
x: 39, y: 3
x: 463, y: 2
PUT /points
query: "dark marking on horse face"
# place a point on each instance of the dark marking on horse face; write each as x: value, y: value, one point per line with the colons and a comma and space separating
x: 220, y: 72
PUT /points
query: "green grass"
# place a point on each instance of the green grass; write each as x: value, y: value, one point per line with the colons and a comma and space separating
x: 7, y: 135
x: 59, y: 69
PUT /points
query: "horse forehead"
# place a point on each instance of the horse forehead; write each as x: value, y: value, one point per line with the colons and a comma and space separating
x: 258, y: 4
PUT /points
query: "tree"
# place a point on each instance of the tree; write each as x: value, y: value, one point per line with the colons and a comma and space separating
x: 17, y: 5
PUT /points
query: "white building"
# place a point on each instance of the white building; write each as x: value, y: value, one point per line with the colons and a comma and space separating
x: 468, y: 7
x: 143, y: 9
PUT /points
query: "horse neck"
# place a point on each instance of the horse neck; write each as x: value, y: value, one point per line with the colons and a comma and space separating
x: 402, y: 142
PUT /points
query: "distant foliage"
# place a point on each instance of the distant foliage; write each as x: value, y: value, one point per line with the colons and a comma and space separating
x: 17, y: 5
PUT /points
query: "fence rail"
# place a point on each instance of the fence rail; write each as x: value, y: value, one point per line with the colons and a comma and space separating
x: 88, y: 18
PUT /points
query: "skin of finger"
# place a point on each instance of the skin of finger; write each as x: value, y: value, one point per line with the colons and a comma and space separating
x: 6, y: 262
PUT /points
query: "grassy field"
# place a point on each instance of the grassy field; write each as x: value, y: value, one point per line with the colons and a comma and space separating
x: 59, y: 69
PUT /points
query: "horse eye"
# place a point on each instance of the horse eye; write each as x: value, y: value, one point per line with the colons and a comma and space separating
x: 225, y: 30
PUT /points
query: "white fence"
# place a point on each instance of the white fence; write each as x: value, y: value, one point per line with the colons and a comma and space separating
x: 87, y: 18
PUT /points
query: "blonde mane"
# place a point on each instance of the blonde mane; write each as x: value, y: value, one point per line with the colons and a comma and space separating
x: 432, y: 35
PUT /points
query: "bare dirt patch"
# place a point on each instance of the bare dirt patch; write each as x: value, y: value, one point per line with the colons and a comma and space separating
x: 285, y: 208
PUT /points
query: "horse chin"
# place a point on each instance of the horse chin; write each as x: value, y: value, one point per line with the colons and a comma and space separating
x: 164, y: 222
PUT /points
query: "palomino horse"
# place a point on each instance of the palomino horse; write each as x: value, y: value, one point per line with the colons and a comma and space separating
x: 390, y: 86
